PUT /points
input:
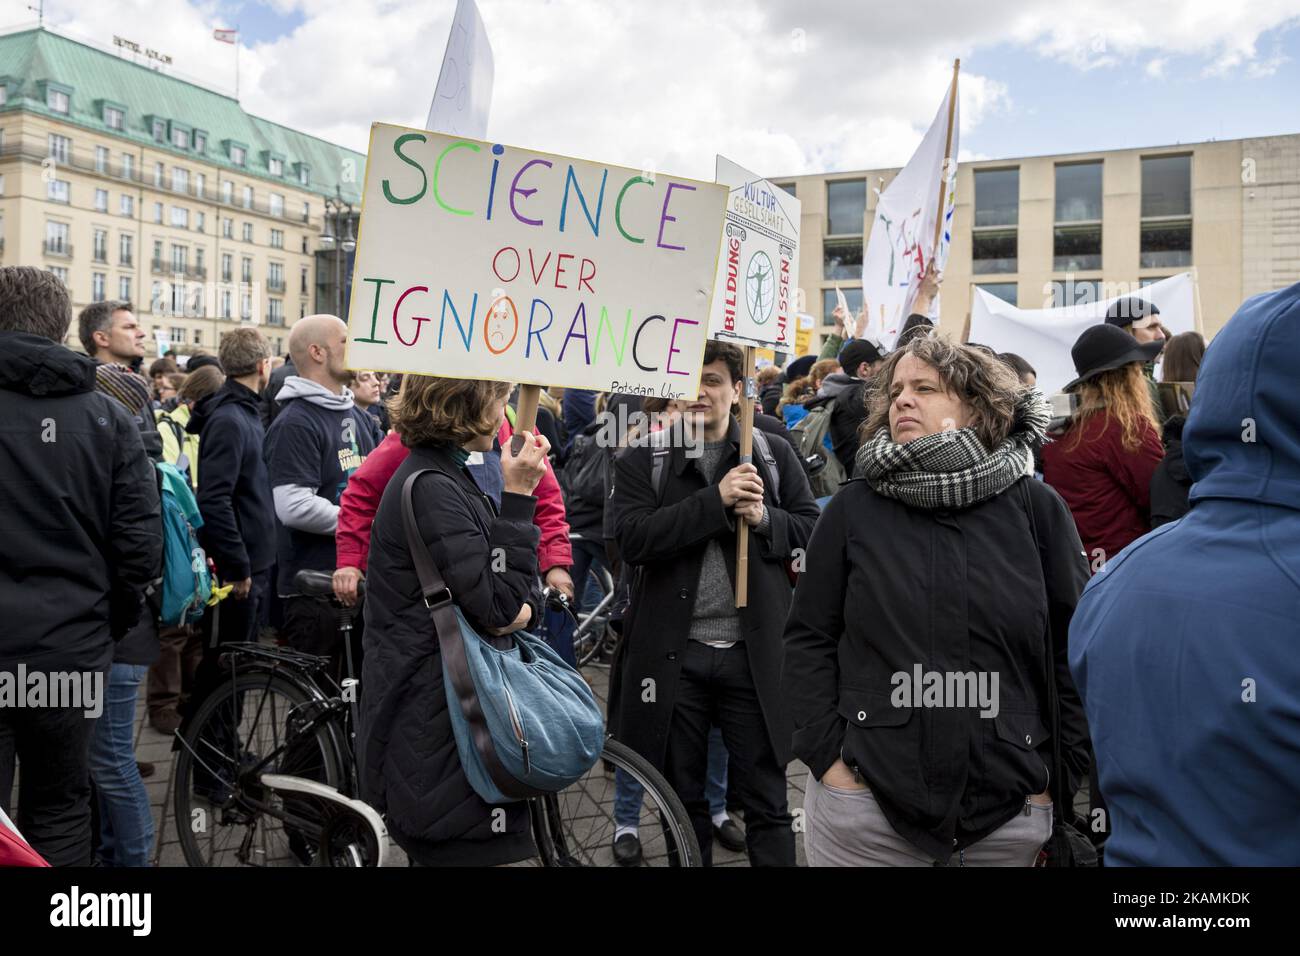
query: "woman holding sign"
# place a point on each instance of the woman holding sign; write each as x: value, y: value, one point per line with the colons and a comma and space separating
x: 917, y: 661
x: 488, y: 558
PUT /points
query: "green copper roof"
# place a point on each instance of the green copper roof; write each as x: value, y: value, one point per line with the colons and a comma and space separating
x: 33, y: 59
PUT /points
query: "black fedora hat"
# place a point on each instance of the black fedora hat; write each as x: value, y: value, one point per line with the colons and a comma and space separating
x: 1103, y: 347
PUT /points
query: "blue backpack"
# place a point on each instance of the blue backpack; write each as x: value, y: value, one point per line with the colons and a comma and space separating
x: 186, y: 581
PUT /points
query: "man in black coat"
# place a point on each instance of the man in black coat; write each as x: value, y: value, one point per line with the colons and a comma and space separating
x: 692, y: 659
x: 860, y: 360
x: 269, y: 407
x: 80, y: 541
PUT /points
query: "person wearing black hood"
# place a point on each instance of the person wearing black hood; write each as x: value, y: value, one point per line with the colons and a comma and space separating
x: 845, y: 393
x: 82, y: 542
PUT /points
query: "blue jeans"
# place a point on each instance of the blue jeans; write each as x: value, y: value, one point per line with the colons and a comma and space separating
x: 628, y: 793
x: 125, y: 821
x: 587, y: 556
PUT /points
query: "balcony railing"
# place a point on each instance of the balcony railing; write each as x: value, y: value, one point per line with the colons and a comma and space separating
x: 126, y: 260
x: 275, y: 285
x: 55, y: 248
x: 276, y: 320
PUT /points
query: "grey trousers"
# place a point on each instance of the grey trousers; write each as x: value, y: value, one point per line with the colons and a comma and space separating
x: 848, y: 828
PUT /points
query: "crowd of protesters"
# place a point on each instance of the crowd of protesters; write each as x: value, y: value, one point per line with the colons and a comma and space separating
x: 913, y: 510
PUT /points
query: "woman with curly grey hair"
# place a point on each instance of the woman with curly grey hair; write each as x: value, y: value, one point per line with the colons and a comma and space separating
x: 917, y: 657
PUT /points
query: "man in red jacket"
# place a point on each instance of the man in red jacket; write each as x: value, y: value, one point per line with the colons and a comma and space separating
x: 360, y: 501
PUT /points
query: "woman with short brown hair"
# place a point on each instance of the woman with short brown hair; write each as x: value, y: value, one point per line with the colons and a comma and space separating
x: 406, y: 750
x: 944, y: 565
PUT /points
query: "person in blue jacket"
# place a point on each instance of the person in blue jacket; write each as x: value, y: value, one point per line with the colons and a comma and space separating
x: 1184, y: 648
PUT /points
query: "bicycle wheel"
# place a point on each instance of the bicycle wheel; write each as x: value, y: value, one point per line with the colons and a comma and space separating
x: 577, y: 824
x: 224, y: 815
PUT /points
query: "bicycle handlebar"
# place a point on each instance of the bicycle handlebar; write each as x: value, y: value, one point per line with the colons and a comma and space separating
x: 320, y: 584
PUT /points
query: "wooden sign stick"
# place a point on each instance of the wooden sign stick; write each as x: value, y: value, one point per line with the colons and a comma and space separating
x: 748, y: 392
x: 525, y: 415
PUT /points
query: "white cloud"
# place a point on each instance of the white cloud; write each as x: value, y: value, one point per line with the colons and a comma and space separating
x: 779, y: 88
x: 1156, y: 68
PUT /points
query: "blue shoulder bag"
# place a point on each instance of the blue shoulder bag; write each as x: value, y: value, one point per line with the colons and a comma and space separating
x: 526, y: 723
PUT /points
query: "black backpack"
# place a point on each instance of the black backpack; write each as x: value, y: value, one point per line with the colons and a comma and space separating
x: 583, y: 477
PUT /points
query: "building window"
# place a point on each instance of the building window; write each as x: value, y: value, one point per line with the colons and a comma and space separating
x: 200, y: 145
x: 1166, y: 228
x: 304, y: 175
x: 56, y: 100
x: 275, y: 312
x: 101, y: 159
x: 842, y: 259
x: 275, y: 166
x: 128, y: 166
x: 200, y: 220
x: 176, y: 333
x: 852, y: 296
x: 99, y: 245
x: 246, y: 269
x: 56, y: 239
x: 226, y: 263
x: 1073, y: 291
x: 248, y: 232
x: 60, y: 273
x: 306, y: 211
x: 158, y: 174
x: 225, y: 303
x: 180, y: 258
x: 113, y: 117
x: 199, y: 269
x: 97, y: 287
x: 125, y: 249
x: 846, y: 207
x: 227, y: 229
x: 127, y: 205
x: 60, y: 146
x: 237, y: 154
x: 248, y: 197
x: 304, y: 245
x: 275, y: 276
x: 159, y: 131
x: 198, y: 336
x: 245, y: 306
x: 180, y: 180
x: 227, y: 191
x: 124, y: 288
x: 1006, y: 291
x: 101, y: 200
x: 277, y: 205
x: 181, y: 138
x: 277, y: 238
x: 180, y: 217
x: 58, y: 190
x: 158, y: 212
x: 200, y: 185
x: 303, y: 290
x: 997, y: 216
x: 1076, y: 238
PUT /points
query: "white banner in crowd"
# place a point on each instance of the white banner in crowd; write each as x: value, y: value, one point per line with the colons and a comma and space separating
x: 1043, y: 337
x: 464, y: 92
x: 478, y: 260
x: 902, y: 233
x: 758, y: 262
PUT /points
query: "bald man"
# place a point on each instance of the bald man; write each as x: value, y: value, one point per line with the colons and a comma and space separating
x: 318, y: 439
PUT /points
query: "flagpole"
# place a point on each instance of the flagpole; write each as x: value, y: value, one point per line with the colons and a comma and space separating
x: 947, y: 155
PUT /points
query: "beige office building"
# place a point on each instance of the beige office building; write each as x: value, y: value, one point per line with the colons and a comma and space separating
x: 132, y: 184
x: 1056, y: 230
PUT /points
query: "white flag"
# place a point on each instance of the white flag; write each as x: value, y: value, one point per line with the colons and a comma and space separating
x: 1044, y: 337
x: 464, y: 91
x: 902, y: 234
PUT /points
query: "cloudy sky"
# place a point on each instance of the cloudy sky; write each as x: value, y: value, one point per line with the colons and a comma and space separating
x: 783, y: 88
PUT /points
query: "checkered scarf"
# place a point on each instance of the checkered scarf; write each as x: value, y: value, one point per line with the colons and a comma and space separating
x: 953, y: 469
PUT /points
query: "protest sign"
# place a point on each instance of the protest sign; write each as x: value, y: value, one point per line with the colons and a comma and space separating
x: 163, y: 340
x: 464, y: 91
x: 758, y: 262
x: 1043, y: 337
x: 804, y: 324
x: 478, y: 260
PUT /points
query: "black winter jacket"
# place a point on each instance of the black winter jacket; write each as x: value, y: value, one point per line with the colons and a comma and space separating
x: 1171, y: 483
x: 847, y: 415
x: 80, y: 526
x: 889, y: 588
x: 667, y: 537
x: 234, y: 495
x: 406, y: 750
x: 269, y: 407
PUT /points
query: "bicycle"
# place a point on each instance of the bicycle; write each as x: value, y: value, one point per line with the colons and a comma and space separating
x: 592, y: 635
x: 268, y: 766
